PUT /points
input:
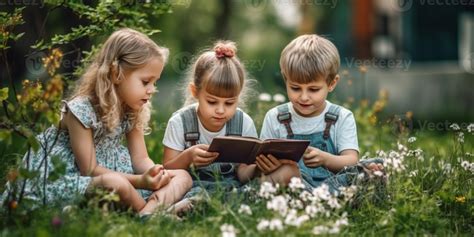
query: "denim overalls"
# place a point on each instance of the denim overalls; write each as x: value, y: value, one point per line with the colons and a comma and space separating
x: 215, y: 175
x: 315, y: 177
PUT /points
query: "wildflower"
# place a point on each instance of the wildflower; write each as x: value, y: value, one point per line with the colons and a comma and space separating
x: 333, y: 203
x: 276, y: 224
x: 296, y: 184
x: 305, y: 196
x: 320, y: 230
x: 447, y: 168
x: 264, y: 97
x: 411, y: 139
x: 460, y: 199
x: 267, y: 190
x: 279, y: 98
x: 263, y: 225
x: 381, y: 154
x: 465, y: 164
x: 279, y: 204
x: 348, y: 192
x: 455, y: 127
x: 322, y: 192
x: 228, y: 230
x: 294, y: 220
x: 245, y: 209
x: 470, y: 128
x: 413, y: 173
x: 311, y: 210
x: 68, y: 209
x: 461, y: 137
x: 296, y: 203
x: 56, y: 221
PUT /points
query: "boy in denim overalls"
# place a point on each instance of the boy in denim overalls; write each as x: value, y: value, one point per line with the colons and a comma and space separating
x: 309, y: 65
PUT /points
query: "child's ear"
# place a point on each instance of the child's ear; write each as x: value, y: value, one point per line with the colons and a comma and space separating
x: 193, y: 90
x: 114, y: 75
x: 334, y: 82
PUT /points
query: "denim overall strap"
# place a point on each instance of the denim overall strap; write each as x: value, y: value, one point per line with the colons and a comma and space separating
x: 330, y: 118
x: 284, y: 117
x: 235, y: 125
x: 190, y: 126
x: 191, y: 136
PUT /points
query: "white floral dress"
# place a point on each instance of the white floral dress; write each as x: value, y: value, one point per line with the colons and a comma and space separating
x: 109, y: 152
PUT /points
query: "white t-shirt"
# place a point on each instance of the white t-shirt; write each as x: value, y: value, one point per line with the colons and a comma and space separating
x: 174, y: 134
x: 343, y: 133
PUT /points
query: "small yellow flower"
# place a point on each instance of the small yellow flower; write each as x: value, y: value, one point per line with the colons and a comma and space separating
x: 461, y: 199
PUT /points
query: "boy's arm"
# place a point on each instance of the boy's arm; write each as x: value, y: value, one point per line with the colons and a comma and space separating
x: 314, y: 157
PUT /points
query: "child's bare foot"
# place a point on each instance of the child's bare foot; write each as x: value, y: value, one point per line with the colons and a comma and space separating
x: 184, y: 206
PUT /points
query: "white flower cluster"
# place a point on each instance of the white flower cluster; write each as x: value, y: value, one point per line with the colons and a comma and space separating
x: 470, y: 128
x: 299, y: 206
x: 467, y: 165
x: 331, y: 229
x: 296, y: 184
x: 267, y: 190
x: 273, y: 224
x: 455, y: 127
x: 411, y: 139
x: 265, y: 97
x: 461, y: 137
x: 245, y: 209
x: 228, y: 230
x: 394, y: 159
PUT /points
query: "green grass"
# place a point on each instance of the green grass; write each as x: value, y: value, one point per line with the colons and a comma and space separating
x: 426, y: 197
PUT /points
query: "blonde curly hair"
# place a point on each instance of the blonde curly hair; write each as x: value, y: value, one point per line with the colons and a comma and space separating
x: 125, y: 50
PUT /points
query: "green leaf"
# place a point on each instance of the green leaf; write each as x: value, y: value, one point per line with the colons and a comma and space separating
x: 33, y: 143
x: 28, y: 174
x: 4, y: 93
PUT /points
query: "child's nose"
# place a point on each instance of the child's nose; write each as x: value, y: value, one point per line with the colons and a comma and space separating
x: 220, y: 109
x: 150, y: 90
x: 304, y: 96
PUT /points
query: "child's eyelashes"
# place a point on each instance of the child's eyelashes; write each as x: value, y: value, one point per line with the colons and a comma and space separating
x: 215, y: 102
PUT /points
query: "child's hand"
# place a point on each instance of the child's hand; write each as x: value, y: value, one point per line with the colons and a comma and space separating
x: 312, y: 157
x: 268, y: 164
x: 200, y: 156
x: 155, y: 178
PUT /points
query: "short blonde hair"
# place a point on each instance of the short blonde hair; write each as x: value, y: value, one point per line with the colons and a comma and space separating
x: 219, y: 72
x: 125, y: 50
x: 308, y: 58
